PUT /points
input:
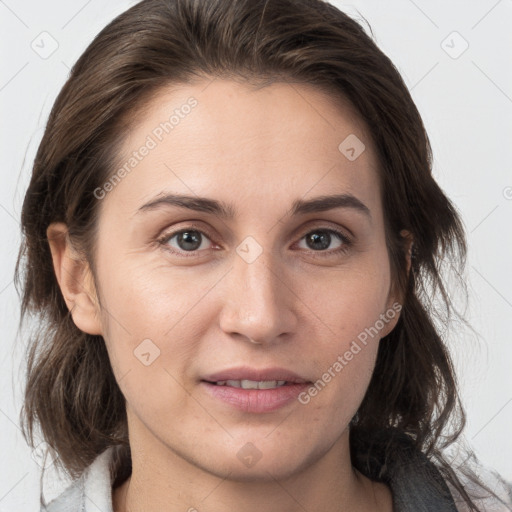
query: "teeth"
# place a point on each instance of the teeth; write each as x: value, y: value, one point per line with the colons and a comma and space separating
x: 252, y: 384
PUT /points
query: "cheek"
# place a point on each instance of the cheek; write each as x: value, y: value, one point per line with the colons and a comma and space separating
x: 351, y: 299
x: 146, y: 342
x: 148, y: 298
x: 351, y: 315
x: 154, y: 320
x: 344, y: 357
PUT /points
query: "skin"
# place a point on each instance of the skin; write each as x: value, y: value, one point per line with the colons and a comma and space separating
x: 259, y: 150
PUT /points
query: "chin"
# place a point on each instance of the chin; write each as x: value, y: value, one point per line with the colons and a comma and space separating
x: 263, y: 472
x: 265, y: 464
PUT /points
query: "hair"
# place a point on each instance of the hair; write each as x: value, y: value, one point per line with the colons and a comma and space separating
x: 71, y: 394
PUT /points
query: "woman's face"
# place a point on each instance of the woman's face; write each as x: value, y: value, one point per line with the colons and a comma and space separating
x: 251, y: 254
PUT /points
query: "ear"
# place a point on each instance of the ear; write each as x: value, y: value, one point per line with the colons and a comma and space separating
x: 409, y: 239
x: 394, y: 305
x: 75, y: 280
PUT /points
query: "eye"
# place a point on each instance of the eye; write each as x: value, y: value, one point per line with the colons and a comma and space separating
x: 186, y: 240
x: 192, y: 240
x: 320, y: 239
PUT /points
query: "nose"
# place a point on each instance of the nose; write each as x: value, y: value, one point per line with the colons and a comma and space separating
x: 257, y: 301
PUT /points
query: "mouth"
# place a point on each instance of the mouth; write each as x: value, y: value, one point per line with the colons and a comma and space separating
x: 266, y: 391
x: 253, y: 384
x: 253, y: 378
x: 259, y: 397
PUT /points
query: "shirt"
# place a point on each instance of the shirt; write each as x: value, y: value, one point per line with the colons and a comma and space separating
x: 415, y: 482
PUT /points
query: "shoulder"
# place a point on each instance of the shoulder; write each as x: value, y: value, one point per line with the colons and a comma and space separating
x: 71, y: 500
x: 93, y: 488
x: 489, y: 491
x: 417, y: 482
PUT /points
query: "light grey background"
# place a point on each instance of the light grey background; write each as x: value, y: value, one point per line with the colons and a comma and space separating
x: 465, y: 98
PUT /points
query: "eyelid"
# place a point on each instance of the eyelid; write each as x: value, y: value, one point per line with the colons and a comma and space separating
x: 322, y: 225
x: 330, y: 225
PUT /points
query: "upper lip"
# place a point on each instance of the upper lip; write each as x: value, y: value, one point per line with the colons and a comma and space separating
x: 263, y: 374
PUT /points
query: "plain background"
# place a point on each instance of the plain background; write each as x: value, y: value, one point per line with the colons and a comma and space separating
x: 455, y: 58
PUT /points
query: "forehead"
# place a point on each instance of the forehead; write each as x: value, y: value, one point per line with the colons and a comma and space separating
x: 225, y: 138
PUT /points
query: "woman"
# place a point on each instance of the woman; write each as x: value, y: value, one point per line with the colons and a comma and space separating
x: 230, y: 233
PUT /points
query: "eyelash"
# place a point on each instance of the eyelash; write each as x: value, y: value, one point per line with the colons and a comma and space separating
x: 347, y: 242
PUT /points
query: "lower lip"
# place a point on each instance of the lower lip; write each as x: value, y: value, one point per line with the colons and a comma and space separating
x: 255, y: 400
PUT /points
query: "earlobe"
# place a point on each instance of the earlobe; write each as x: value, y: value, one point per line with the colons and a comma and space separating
x: 75, y: 280
x: 391, y: 316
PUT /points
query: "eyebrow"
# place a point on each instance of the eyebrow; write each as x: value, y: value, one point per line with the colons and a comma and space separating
x: 227, y: 211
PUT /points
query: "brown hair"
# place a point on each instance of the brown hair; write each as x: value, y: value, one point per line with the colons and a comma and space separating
x: 71, y: 392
